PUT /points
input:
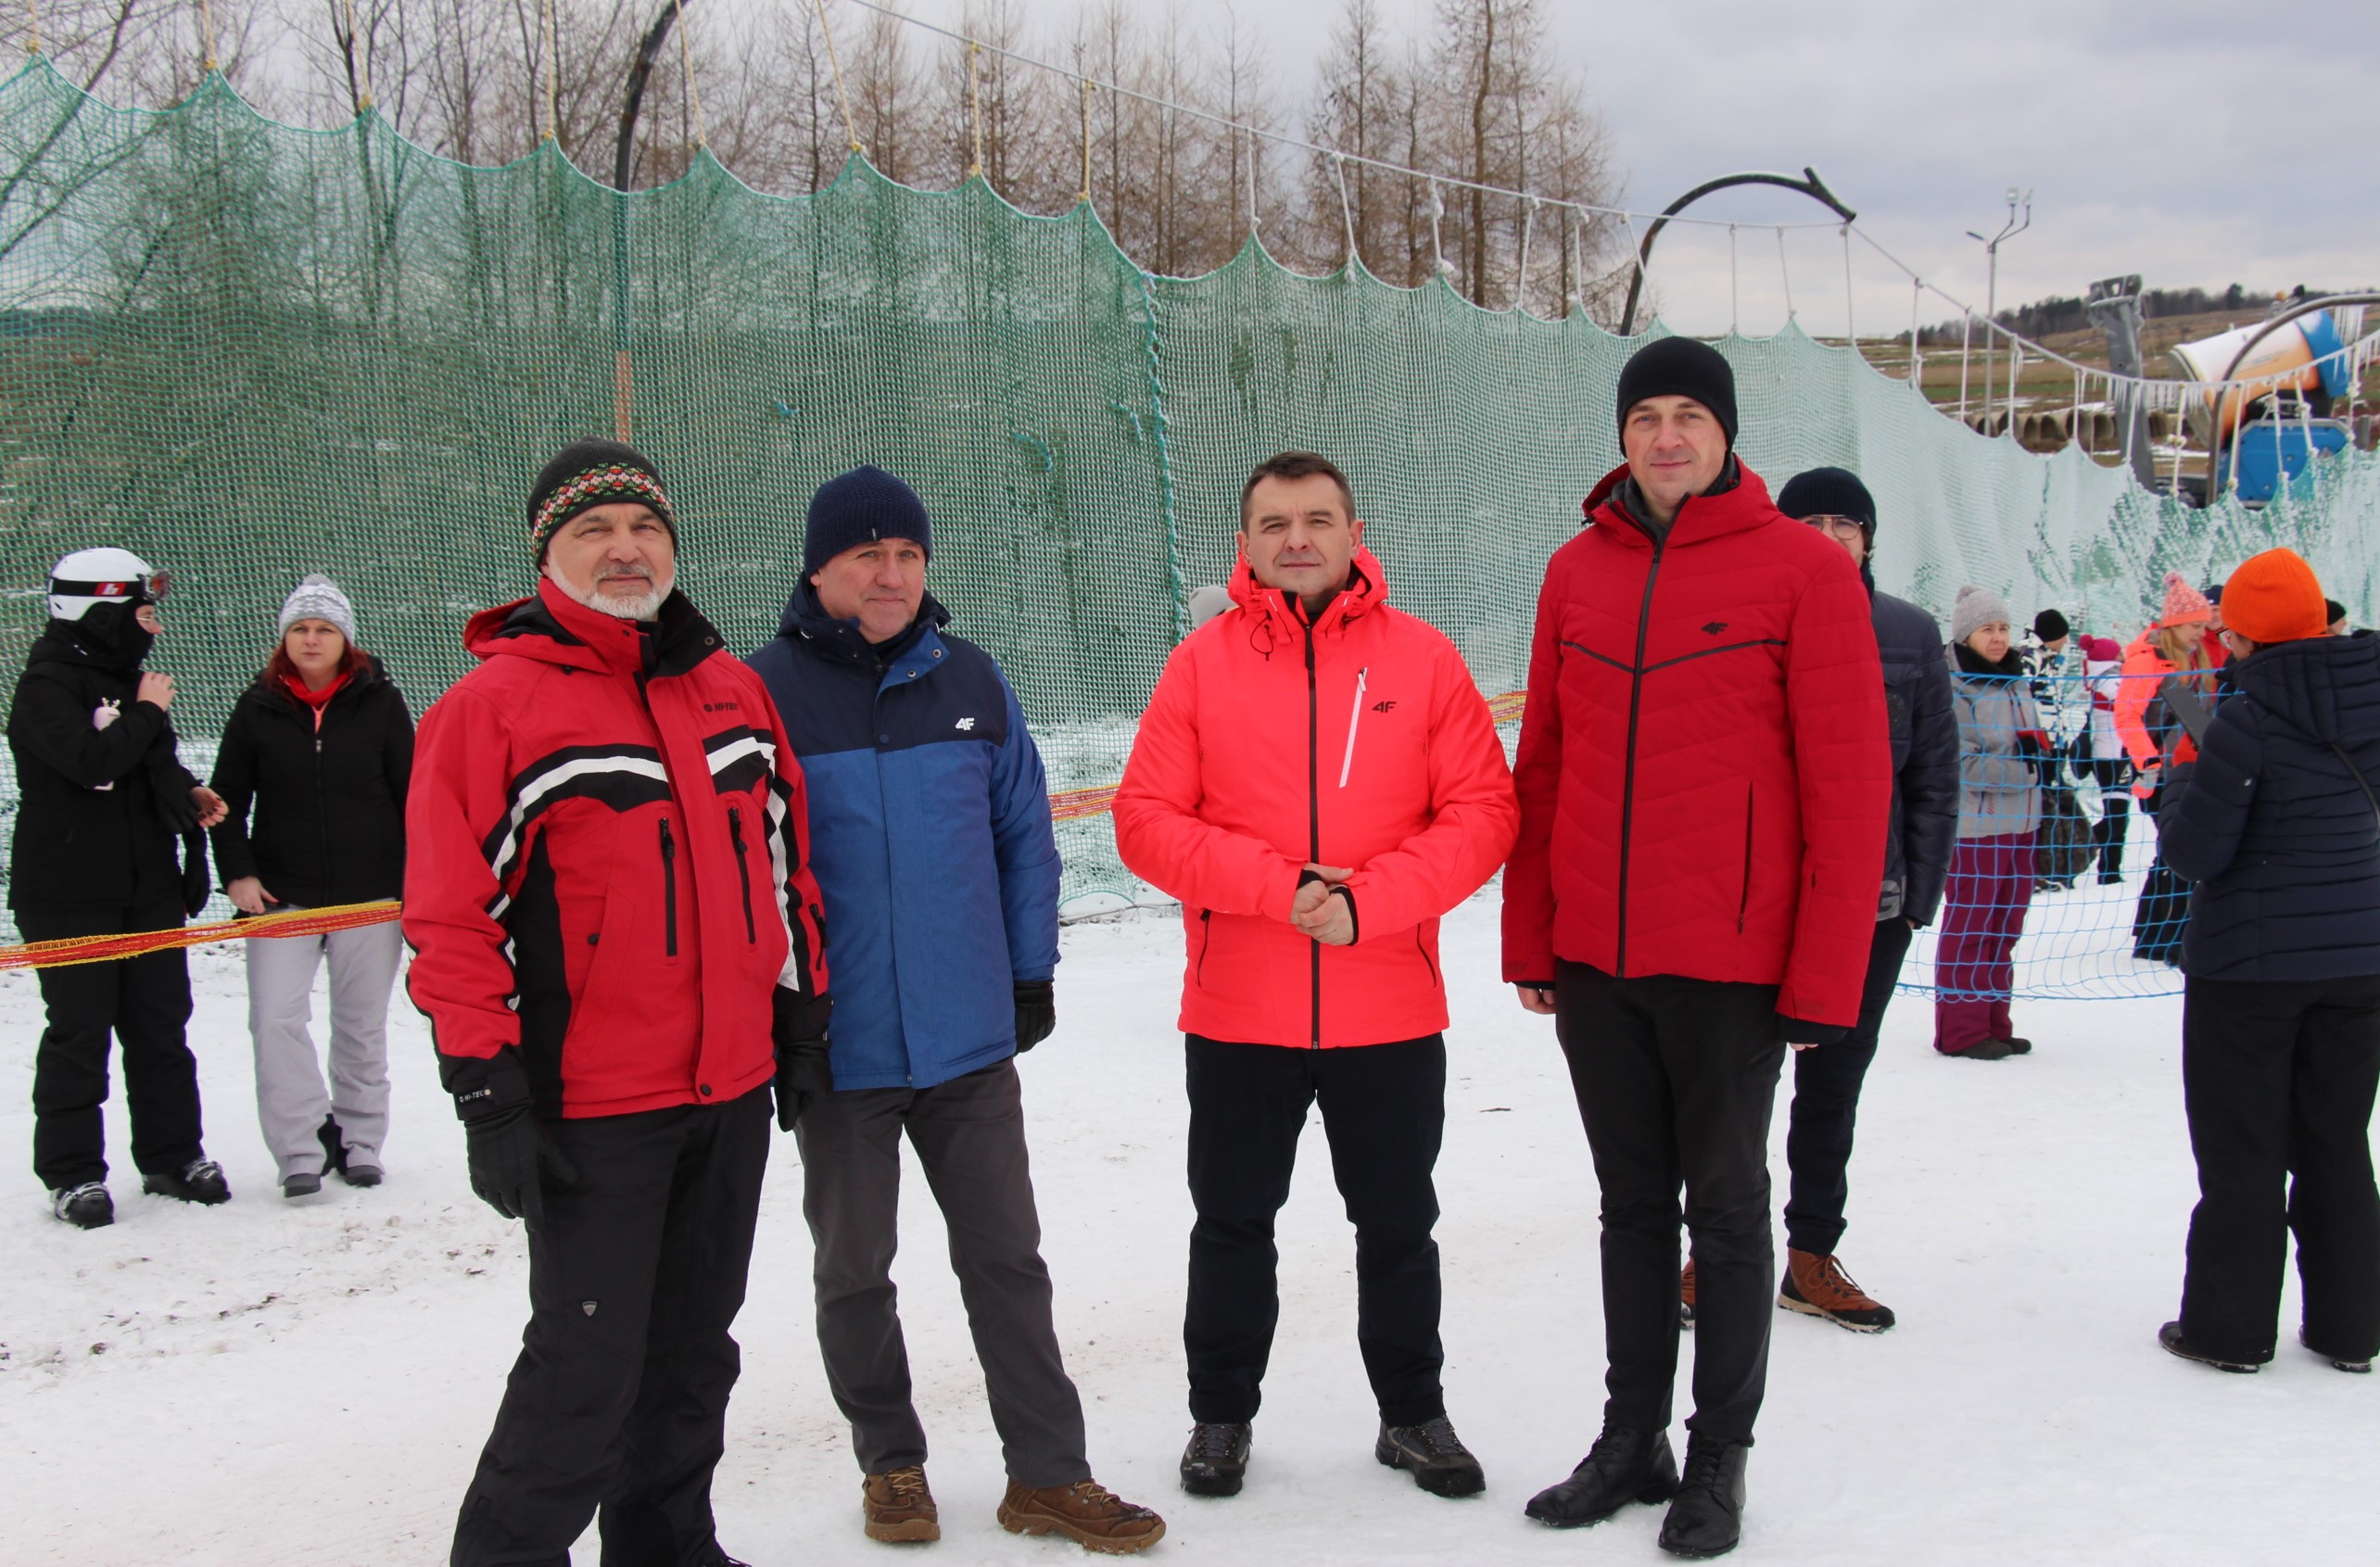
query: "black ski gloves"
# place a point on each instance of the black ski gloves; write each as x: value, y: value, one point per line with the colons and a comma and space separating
x: 1796, y: 1030
x: 804, y: 1075
x: 512, y: 1163
x: 1036, y: 1012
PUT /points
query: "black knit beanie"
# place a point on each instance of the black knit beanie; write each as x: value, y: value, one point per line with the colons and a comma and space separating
x: 2049, y: 626
x: 1680, y: 367
x: 1829, y: 492
x: 866, y: 505
x: 591, y: 472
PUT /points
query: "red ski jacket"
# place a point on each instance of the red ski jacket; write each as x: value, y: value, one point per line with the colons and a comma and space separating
x: 607, y: 880
x: 1357, y: 740
x: 1704, y: 770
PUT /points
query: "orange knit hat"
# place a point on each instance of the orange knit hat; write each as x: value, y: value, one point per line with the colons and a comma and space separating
x: 2276, y: 598
x: 2184, y: 605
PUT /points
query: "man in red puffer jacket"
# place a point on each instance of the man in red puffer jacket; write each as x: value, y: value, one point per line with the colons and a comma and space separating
x: 1704, y: 777
x: 617, y: 943
x: 1318, y: 779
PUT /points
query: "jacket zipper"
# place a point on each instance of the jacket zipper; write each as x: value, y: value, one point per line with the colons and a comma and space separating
x: 1423, y: 947
x: 668, y: 889
x: 1628, y: 780
x: 1206, y: 940
x: 1743, y: 903
x: 1314, y: 814
x: 1347, y: 763
x: 743, y: 872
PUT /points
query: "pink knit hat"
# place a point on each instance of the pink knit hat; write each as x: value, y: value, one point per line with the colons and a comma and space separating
x: 2184, y: 605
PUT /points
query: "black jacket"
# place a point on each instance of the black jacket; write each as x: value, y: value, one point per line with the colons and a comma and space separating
x: 1925, y: 758
x: 2271, y: 825
x: 92, y: 828
x: 330, y: 803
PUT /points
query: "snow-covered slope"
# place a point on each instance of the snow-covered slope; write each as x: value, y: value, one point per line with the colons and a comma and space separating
x: 274, y: 1382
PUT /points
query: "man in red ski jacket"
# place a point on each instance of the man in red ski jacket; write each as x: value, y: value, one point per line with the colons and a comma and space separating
x: 1704, y: 778
x: 617, y: 943
x: 1318, y: 779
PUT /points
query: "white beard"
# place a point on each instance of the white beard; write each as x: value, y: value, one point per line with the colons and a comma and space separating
x: 645, y: 606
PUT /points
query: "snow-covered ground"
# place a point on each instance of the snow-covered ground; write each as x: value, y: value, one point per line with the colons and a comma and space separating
x: 274, y: 1382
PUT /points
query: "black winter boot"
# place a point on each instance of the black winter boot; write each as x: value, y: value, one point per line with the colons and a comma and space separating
x: 200, y: 1181
x: 87, y: 1207
x: 1216, y: 1460
x: 1434, y: 1455
x: 2360, y: 1365
x: 2171, y: 1336
x: 333, y: 1143
x: 1707, y: 1518
x: 1623, y: 1466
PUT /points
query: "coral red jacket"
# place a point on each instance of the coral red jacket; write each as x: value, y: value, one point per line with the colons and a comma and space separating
x: 2145, y: 669
x: 1705, y: 769
x: 607, y: 881
x: 1357, y: 740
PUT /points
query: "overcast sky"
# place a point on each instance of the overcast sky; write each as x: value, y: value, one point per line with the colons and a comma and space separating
x: 2199, y: 142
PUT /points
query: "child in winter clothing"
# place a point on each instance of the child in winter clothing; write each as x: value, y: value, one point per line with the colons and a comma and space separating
x: 2001, y: 747
x: 2156, y: 740
x: 2103, y: 750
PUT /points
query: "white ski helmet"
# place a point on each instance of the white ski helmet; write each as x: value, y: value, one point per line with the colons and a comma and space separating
x: 106, y: 575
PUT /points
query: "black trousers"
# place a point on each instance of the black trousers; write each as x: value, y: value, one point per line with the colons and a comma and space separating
x: 145, y: 1004
x: 1675, y: 1081
x: 1826, y: 1103
x: 1383, y: 1111
x: 2115, y: 820
x: 2279, y: 1079
x: 619, y: 1399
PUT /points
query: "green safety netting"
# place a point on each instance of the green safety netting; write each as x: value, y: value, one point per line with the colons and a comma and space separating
x: 247, y: 351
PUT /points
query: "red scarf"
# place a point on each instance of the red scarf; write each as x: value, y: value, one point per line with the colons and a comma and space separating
x: 318, y: 701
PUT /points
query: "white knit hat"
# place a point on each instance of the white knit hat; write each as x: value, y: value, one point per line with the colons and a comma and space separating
x: 317, y: 597
x: 1974, y: 609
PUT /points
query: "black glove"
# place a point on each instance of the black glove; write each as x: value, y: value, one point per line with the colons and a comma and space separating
x: 173, y: 804
x: 804, y: 1075
x: 1036, y: 1012
x: 1797, y: 1030
x: 512, y: 1161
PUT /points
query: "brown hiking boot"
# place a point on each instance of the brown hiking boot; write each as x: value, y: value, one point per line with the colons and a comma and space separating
x: 1087, y: 1512
x: 1818, y: 1286
x: 898, y: 1507
x: 1686, y: 1296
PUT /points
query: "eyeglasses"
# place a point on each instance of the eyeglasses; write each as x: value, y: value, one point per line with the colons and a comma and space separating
x: 1841, y: 527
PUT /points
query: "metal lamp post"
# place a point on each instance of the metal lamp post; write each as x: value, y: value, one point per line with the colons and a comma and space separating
x: 2008, y: 230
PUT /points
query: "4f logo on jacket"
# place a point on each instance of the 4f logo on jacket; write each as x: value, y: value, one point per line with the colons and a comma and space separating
x: 966, y: 724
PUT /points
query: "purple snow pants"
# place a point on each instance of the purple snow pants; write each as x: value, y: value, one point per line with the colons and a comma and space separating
x: 1983, y: 913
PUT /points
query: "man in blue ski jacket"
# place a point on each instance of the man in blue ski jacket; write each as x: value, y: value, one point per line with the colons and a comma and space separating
x: 930, y: 834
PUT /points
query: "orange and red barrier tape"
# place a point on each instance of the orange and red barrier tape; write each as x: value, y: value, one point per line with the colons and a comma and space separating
x: 71, y: 950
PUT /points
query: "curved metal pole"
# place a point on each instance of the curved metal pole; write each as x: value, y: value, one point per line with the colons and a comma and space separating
x: 1809, y: 185
x: 640, y: 73
x: 2302, y: 308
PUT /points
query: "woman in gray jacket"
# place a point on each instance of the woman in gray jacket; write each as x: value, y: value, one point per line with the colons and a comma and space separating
x: 2000, y: 807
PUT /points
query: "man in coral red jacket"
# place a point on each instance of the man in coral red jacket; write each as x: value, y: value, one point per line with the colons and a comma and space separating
x: 617, y: 944
x: 1704, y: 777
x: 1318, y: 779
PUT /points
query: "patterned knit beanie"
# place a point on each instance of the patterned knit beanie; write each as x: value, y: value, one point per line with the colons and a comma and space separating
x: 591, y: 472
x: 2184, y: 605
x: 317, y: 597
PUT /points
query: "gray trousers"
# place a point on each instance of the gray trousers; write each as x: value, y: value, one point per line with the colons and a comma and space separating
x: 290, y: 1099
x: 969, y: 1134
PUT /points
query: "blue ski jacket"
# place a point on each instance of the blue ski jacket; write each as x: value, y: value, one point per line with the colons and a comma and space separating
x: 930, y: 838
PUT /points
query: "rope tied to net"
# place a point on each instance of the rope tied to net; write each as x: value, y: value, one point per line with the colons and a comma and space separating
x: 33, y: 21
x: 355, y: 60
x: 553, y: 68
x: 686, y: 64
x: 1783, y: 266
x: 1734, y: 304
x: 1521, y: 281
x: 1089, y: 87
x: 975, y: 107
x: 834, y: 63
x: 1917, y: 302
x: 1347, y: 208
x: 1437, y: 246
x: 1850, y: 326
x: 207, y: 26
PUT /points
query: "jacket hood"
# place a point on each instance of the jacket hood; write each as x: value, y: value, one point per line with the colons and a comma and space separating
x: 1726, y: 507
x: 805, y: 620
x: 1273, y: 613
x: 552, y: 627
x: 2301, y: 684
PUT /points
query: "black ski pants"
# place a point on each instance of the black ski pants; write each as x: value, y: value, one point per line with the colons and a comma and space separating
x: 1676, y: 1079
x: 145, y: 1004
x: 2279, y: 1077
x: 1826, y: 1105
x: 2115, y: 818
x: 619, y: 1399
x: 1383, y: 1111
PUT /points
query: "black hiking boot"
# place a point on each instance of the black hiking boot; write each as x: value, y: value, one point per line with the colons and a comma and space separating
x: 1216, y: 1460
x: 87, y: 1207
x: 1622, y: 1467
x: 1433, y: 1455
x: 1707, y: 1518
x: 301, y: 1183
x: 2338, y: 1363
x: 1984, y: 1050
x: 2170, y: 1335
x: 200, y: 1181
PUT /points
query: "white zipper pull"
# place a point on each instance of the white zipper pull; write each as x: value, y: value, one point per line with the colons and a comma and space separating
x: 1353, y: 719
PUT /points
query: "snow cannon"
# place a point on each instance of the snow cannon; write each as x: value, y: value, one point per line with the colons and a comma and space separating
x: 2304, y: 358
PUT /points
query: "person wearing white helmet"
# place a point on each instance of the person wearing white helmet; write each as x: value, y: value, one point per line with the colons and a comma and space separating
x: 103, y: 802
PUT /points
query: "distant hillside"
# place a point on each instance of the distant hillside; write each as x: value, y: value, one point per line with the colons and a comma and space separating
x: 2207, y: 311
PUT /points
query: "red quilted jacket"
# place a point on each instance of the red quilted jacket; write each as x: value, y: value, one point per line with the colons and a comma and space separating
x: 1704, y: 768
x: 1359, y: 740
x: 607, y: 879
